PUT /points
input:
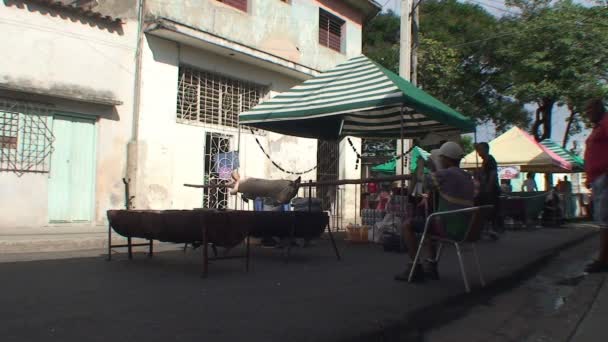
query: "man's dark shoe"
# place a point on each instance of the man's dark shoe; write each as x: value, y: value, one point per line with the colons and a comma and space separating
x: 596, y: 267
x: 417, y: 277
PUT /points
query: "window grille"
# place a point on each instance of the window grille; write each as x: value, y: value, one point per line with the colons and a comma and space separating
x: 209, y: 98
x: 238, y: 4
x: 215, y: 144
x: 330, y: 30
x: 25, y: 137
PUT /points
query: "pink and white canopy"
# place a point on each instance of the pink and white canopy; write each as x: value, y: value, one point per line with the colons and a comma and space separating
x: 518, y: 148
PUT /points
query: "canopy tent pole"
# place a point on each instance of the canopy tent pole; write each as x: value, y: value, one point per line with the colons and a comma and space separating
x: 475, y: 144
x: 357, y: 199
x: 402, y: 142
x: 238, y: 155
x: 402, y: 161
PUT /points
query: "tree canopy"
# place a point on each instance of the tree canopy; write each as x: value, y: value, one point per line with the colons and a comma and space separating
x: 558, y: 54
x: 544, y: 53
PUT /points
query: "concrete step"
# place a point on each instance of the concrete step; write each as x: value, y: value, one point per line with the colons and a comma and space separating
x: 58, y: 242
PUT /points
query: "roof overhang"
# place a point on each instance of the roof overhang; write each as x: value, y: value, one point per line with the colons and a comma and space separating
x: 369, y: 8
x: 181, y: 33
x: 81, y: 95
x: 82, y: 8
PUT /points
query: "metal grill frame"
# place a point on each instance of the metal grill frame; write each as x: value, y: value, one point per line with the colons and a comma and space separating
x: 210, y: 99
x: 26, y: 127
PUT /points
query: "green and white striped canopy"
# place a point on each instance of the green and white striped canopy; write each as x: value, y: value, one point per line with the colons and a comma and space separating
x: 356, y: 98
x: 578, y: 164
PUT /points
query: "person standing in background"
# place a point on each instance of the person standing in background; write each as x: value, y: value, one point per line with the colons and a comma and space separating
x: 529, y: 184
x: 489, y: 189
x: 596, y: 167
x: 505, y: 186
x: 566, y: 190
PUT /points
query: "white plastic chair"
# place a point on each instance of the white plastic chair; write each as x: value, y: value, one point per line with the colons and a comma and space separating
x: 478, y: 216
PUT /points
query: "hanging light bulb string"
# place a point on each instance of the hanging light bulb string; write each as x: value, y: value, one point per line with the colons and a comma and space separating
x: 277, y: 165
x: 299, y: 173
x: 395, y: 158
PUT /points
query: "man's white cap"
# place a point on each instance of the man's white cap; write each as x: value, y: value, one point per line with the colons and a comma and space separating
x: 451, y: 150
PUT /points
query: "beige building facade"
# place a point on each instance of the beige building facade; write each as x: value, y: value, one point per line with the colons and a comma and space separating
x: 150, y: 91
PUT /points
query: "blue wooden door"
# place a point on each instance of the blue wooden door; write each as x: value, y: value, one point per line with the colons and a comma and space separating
x: 72, y: 174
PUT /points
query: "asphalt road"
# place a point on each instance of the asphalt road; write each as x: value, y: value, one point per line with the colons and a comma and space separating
x: 313, y: 298
x: 548, y: 306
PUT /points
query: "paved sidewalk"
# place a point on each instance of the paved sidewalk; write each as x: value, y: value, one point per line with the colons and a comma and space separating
x: 57, y: 238
x: 593, y: 326
x: 313, y: 298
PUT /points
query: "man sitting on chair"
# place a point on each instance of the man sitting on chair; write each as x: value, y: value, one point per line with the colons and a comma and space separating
x: 454, y: 189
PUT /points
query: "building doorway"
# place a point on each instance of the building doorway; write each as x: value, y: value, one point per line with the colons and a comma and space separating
x: 72, y: 172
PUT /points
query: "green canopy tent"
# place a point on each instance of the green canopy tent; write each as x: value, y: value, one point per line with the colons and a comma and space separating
x: 390, y: 167
x: 578, y: 164
x: 356, y: 98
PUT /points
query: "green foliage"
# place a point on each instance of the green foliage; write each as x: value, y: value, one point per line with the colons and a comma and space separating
x: 462, y: 75
x: 467, y: 144
x: 553, y: 53
x: 381, y: 40
x: 558, y: 54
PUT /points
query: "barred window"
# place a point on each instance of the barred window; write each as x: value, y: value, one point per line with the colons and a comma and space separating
x: 209, y: 98
x: 25, y: 137
x: 330, y: 30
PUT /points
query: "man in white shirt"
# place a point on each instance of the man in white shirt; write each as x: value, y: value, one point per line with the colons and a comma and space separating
x: 529, y: 184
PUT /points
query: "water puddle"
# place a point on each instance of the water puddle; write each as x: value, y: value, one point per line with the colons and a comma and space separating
x: 559, y: 301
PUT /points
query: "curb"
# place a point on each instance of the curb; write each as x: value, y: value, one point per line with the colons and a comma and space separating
x: 415, y: 323
x: 57, y: 244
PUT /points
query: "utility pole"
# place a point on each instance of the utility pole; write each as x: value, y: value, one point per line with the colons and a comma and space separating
x: 405, y: 41
x: 405, y: 69
x: 415, y: 42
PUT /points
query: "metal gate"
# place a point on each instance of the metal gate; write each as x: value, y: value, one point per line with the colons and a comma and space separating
x: 327, y: 170
x: 215, y: 144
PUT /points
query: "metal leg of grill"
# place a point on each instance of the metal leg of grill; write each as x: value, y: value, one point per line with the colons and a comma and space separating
x: 333, y: 242
x: 109, y: 243
x: 205, y: 253
x: 247, y: 254
x: 130, y: 248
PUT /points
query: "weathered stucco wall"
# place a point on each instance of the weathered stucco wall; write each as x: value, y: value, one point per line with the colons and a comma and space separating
x: 54, y: 51
x: 22, y: 200
x: 290, y: 31
x: 171, y: 153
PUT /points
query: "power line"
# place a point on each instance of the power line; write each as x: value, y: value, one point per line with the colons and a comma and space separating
x: 576, y: 21
x: 492, y: 6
